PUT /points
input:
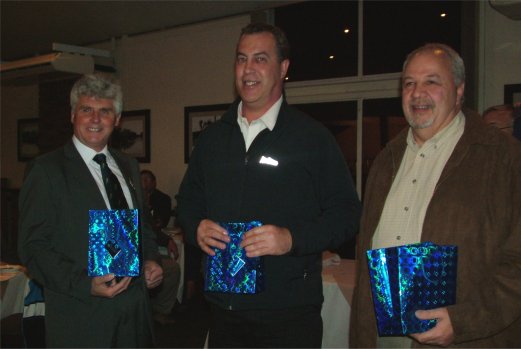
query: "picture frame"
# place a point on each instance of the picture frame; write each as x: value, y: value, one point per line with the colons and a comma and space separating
x: 197, y: 118
x: 28, y: 134
x: 132, y: 135
x: 512, y: 94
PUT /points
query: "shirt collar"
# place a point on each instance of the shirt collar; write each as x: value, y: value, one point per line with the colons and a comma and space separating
x: 269, y: 118
x: 88, y: 153
x: 441, y: 137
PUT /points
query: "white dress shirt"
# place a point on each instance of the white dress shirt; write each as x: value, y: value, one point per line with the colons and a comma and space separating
x: 87, y: 154
x: 252, y: 130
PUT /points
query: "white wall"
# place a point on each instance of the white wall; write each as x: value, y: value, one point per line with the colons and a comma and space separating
x: 167, y: 71
x: 501, y: 64
x: 164, y: 72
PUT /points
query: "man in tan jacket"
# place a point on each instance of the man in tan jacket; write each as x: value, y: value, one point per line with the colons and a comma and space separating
x: 447, y: 179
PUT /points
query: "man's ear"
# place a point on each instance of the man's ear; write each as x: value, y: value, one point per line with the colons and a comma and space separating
x: 118, y: 117
x: 460, y: 90
x: 284, y: 65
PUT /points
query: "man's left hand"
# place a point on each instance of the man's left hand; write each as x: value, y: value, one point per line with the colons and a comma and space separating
x: 267, y: 240
x: 153, y: 274
x: 442, y: 334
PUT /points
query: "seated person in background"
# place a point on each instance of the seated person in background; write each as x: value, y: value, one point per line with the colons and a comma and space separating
x: 500, y: 116
x: 160, y: 205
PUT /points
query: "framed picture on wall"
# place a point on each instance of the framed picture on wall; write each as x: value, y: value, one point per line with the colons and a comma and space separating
x: 132, y: 136
x: 28, y: 134
x: 197, y: 118
x: 512, y: 94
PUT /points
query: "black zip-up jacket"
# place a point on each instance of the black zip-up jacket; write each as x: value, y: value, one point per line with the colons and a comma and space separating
x: 310, y: 192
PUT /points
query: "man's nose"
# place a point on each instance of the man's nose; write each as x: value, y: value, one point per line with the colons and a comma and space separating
x: 248, y: 67
x: 95, y: 115
x: 417, y: 90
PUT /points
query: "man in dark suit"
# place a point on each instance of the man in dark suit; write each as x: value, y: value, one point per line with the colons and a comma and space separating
x: 59, y: 190
x: 265, y: 160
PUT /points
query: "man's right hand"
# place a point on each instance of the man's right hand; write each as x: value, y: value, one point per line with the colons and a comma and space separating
x: 211, y: 234
x: 106, y: 285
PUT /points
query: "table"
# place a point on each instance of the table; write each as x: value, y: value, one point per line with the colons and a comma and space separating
x: 13, y: 283
x: 338, y: 282
x: 177, y: 235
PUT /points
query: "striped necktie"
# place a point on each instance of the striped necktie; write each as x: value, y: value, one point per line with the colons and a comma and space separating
x: 114, y: 192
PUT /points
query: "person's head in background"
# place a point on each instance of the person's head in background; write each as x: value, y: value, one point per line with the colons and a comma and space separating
x: 501, y: 117
x: 148, y: 181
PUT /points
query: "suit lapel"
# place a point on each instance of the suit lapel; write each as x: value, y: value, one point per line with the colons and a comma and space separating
x: 124, y: 167
x: 81, y: 182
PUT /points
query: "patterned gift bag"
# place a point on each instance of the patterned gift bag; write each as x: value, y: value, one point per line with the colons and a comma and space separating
x: 408, y: 278
x: 230, y: 270
x: 113, y: 243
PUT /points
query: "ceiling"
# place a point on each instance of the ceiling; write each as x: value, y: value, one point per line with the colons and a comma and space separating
x: 28, y: 28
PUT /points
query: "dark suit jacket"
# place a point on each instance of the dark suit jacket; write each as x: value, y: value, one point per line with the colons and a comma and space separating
x: 55, y: 199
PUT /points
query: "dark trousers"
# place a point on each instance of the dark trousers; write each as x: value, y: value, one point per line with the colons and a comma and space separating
x: 281, y: 328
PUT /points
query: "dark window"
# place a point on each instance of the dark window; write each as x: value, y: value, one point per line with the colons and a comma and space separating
x: 340, y: 119
x: 392, y: 29
x: 320, y: 47
x: 382, y: 120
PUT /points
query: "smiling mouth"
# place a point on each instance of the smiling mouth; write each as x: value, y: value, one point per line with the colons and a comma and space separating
x: 421, y: 107
x: 251, y: 83
x: 94, y: 129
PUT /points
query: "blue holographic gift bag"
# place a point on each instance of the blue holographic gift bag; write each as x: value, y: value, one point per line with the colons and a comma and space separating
x: 409, y: 278
x: 113, y: 242
x: 230, y: 270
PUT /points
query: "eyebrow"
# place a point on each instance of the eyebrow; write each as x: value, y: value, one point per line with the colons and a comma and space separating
x: 428, y: 76
x: 261, y: 53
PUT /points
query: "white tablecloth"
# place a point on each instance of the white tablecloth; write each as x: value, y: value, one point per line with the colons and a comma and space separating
x: 181, y: 262
x: 175, y: 234
x: 13, y: 286
x: 338, y: 282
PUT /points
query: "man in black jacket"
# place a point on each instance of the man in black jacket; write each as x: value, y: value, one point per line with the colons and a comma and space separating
x: 266, y: 161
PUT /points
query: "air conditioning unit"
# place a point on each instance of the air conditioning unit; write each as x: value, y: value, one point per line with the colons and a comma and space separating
x: 62, y: 61
x: 72, y: 59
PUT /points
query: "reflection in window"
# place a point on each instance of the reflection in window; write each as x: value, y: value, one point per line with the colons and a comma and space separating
x: 392, y: 29
x: 323, y: 38
x: 324, y: 34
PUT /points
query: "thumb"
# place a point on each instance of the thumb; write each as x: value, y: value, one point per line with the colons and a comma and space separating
x: 107, y: 277
x: 424, y: 314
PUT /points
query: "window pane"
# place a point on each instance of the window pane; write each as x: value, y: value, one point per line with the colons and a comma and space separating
x: 392, y: 29
x: 340, y: 119
x: 315, y: 30
x: 382, y: 120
